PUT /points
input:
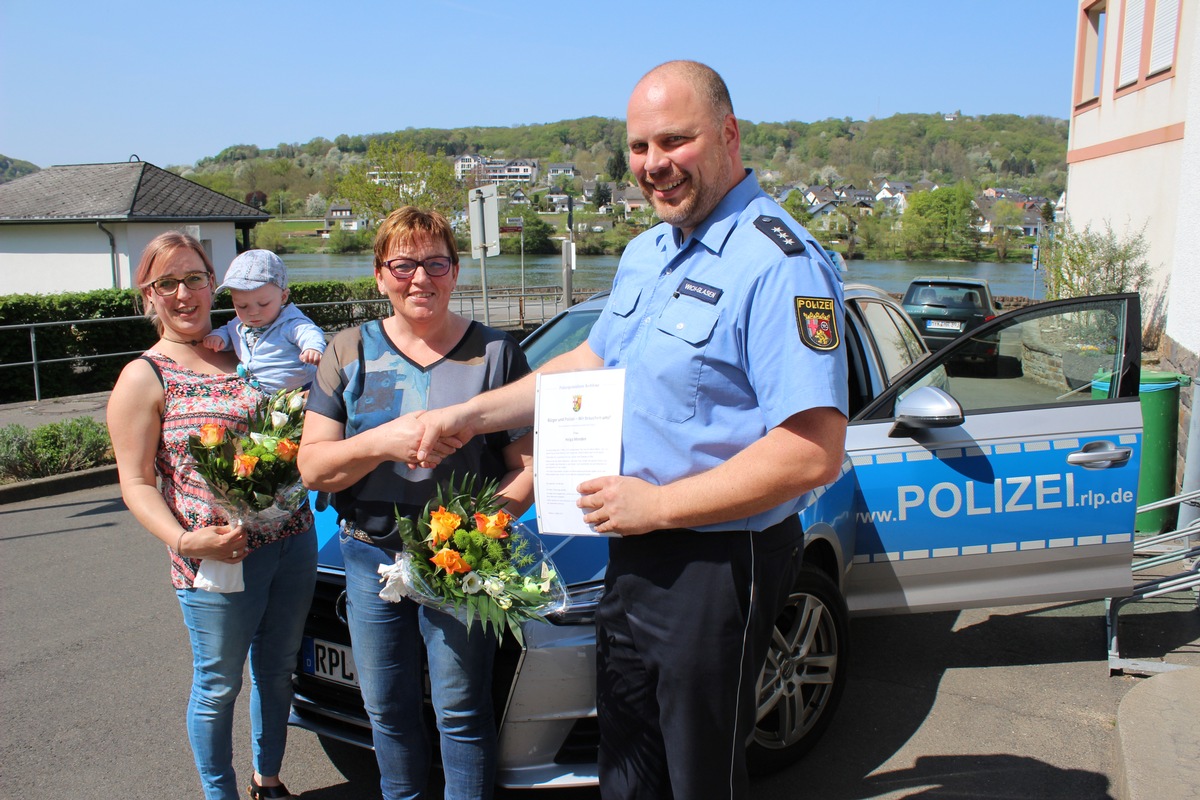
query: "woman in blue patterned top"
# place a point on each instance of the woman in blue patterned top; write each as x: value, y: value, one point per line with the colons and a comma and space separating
x: 361, y: 430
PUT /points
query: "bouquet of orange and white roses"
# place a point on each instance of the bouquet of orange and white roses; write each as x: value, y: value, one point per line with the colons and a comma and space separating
x: 466, y: 554
x: 254, y: 475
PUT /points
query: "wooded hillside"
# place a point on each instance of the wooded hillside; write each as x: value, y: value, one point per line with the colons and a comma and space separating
x: 1023, y: 153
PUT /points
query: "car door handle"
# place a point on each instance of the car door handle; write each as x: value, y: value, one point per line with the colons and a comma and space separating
x: 1100, y: 455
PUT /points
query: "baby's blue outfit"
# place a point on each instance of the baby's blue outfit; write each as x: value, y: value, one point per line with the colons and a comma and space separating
x: 271, y: 355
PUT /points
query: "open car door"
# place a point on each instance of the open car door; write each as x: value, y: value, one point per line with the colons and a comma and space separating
x: 1008, y: 480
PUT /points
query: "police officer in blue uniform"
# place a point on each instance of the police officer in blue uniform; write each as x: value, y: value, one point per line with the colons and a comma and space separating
x: 727, y: 319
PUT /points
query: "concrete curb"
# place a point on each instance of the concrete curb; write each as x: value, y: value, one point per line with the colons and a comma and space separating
x: 57, y: 484
x: 1158, y: 739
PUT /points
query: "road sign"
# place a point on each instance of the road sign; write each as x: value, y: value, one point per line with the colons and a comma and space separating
x: 511, y: 228
x: 484, y: 220
x: 517, y: 221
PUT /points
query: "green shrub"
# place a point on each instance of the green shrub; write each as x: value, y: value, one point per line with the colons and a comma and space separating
x: 1095, y: 261
x: 53, y: 448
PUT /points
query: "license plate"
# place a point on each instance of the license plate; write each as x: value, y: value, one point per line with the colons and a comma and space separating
x: 328, y: 660
x: 942, y: 325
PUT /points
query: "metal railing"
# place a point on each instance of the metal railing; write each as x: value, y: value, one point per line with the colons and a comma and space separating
x: 506, y: 308
x: 1154, y: 552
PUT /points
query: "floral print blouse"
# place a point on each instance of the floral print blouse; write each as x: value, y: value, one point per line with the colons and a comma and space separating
x: 193, y: 399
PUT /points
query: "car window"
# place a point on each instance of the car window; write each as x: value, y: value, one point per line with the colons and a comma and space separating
x: 895, y: 352
x: 911, y: 338
x: 1052, y: 358
x: 950, y: 295
x: 566, y: 334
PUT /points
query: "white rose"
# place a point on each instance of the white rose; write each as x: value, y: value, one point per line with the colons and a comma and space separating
x: 472, y: 583
x: 493, y: 586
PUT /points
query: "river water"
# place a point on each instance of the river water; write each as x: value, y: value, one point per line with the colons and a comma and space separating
x: 596, y: 272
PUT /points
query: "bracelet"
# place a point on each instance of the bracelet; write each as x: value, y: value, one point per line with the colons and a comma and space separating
x: 179, y: 543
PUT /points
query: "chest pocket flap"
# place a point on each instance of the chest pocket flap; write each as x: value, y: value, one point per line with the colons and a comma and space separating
x: 689, y: 321
x: 624, y: 301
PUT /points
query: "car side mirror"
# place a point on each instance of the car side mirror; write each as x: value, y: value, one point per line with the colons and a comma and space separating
x: 997, y: 304
x: 927, y: 407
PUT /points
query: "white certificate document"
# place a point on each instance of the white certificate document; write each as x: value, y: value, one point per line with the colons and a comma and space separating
x: 576, y: 437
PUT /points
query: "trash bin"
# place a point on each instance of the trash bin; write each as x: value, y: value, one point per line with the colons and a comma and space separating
x: 1158, y: 393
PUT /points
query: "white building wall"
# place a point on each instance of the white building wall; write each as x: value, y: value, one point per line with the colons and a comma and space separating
x: 77, y: 257
x: 1183, y: 323
x: 1126, y: 156
x: 47, y: 259
x: 1147, y: 183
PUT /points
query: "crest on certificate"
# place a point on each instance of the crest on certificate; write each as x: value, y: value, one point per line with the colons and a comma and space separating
x: 817, y: 323
x: 576, y: 402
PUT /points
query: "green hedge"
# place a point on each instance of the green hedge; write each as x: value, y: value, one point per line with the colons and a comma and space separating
x: 81, y: 374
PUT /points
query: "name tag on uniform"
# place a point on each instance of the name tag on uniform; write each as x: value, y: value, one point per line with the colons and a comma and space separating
x: 700, y: 291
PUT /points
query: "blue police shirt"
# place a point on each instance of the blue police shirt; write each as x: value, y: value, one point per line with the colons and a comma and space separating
x: 723, y: 336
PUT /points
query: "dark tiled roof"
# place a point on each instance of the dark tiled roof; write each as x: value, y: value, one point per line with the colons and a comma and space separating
x: 131, y: 191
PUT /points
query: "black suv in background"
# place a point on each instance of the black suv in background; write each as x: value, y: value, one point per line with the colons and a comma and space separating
x: 945, y: 308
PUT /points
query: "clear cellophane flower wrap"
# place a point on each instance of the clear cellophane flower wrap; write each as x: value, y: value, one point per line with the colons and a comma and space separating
x: 265, y: 521
x: 464, y: 555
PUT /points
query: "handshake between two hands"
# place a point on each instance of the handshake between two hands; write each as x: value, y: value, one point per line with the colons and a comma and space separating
x: 434, y: 435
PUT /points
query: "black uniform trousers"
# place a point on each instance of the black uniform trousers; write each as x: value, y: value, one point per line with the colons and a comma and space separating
x: 682, y: 634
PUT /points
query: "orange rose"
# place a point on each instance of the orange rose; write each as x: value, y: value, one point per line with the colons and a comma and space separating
x: 211, y: 434
x: 451, y: 561
x: 243, y: 465
x: 442, y: 525
x: 286, y: 449
x: 494, y: 526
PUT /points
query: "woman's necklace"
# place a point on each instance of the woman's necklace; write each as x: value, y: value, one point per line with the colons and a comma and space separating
x: 192, y: 342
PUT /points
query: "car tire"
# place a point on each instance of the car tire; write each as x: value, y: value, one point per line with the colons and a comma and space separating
x: 802, y: 682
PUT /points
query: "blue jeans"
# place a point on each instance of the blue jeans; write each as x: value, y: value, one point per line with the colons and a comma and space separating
x: 387, y: 638
x: 266, y: 621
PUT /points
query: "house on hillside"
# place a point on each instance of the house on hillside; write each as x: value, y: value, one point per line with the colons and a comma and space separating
x: 481, y: 170
x: 889, y: 190
x: 1031, y: 215
x: 815, y: 195
x: 630, y: 201
x: 556, y: 201
x: 554, y: 172
x: 590, y: 188
x: 862, y: 199
x: 81, y: 227
x: 342, y: 215
x: 822, y: 215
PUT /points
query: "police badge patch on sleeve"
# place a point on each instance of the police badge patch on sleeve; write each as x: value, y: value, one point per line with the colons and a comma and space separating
x: 817, y: 323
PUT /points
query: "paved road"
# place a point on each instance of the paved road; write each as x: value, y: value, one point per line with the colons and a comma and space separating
x: 95, y: 670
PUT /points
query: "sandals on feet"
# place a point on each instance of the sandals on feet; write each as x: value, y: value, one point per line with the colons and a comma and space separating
x: 257, y: 792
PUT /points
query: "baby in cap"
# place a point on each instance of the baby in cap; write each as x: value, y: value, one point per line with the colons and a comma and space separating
x: 278, y: 346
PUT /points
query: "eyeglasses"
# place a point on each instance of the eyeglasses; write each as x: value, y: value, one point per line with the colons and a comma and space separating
x: 167, y: 287
x: 404, y: 268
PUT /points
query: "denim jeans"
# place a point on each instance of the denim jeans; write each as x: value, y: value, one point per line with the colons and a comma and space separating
x: 266, y: 621
x: 387, y: 638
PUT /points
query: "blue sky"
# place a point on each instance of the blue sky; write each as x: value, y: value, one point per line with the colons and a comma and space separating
x: 175, y: 82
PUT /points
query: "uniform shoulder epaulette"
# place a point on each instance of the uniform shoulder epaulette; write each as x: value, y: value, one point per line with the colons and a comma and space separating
x: 779, y: 233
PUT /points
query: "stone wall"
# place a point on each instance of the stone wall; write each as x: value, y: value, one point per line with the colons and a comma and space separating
x: 1173, y: 357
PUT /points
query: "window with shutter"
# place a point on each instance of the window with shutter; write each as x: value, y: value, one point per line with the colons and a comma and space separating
x: 1131, y: 42
x: 1162, y: 43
